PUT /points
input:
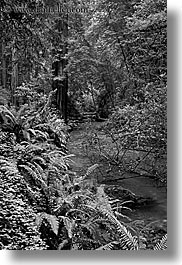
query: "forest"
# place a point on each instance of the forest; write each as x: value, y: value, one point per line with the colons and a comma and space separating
x: 83, y: 125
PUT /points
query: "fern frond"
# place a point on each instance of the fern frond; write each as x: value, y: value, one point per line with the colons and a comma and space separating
x: 6, y: 113
x: 39, y: 133
x: 69, y: 225
x: 108, y: 246
x: 58, y: 162
x: 33, y: 148
x: 89, y: 208
x: 51, y: 219
x: 121, y: 207
x: 38, y: 170
x: 128, y: 242
x: 32, y: 131
x: 25, y: 143
x: 32, y: 194
x: 57, y: 152
x: 38, y: 160
x: 68, y: 156
x: 118, y: 214
x: 68, y: 160
x: 162, y: 245
x: 36, y: 177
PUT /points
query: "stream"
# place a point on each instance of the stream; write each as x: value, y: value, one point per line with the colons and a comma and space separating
x: 141, y: 186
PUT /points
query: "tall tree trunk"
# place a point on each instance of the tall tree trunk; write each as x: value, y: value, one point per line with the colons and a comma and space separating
x: 60, y: 76
x: 3, y: 66
x: 14, y: 74
x: 64, y: 63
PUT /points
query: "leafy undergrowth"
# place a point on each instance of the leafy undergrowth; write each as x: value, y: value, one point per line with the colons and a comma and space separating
x: 44, y: 205
x: 134, y: 138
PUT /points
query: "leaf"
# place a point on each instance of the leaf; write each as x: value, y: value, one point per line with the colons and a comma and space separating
x: 69, y: 225
x: 51, y: 219
x: 127, y: 241
x: 162, y: 245
x: 36, y: 176
x: 108, y: 246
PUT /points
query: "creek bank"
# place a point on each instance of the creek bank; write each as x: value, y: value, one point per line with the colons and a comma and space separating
x: 148, y: 200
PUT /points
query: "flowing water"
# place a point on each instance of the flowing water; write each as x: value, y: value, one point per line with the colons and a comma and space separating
x: 141, y: 186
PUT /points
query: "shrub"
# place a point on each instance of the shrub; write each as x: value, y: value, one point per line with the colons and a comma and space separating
x: 135, y: 136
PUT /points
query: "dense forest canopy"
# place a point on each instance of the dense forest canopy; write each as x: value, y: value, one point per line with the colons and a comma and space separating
x: 59, y: 61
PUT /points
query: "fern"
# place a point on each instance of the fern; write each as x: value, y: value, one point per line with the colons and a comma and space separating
x: 57, y: 160
x: 69, y: 225
x: 38, y: 160
x: 33, y: 148
x: 162, y: 245
x: 108, y: 246
x: 38, y: 170
x: 59, y: 152
x: 7, y: 119
x: 4, y: 111
x: 127, y: 241
x: 51, y: 219
x: 39, y: 133
x: 36, y: 177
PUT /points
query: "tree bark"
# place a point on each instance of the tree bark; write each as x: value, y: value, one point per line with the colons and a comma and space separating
x: 3, y: 66
x: 14, y: 74
x: 60, y: 82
